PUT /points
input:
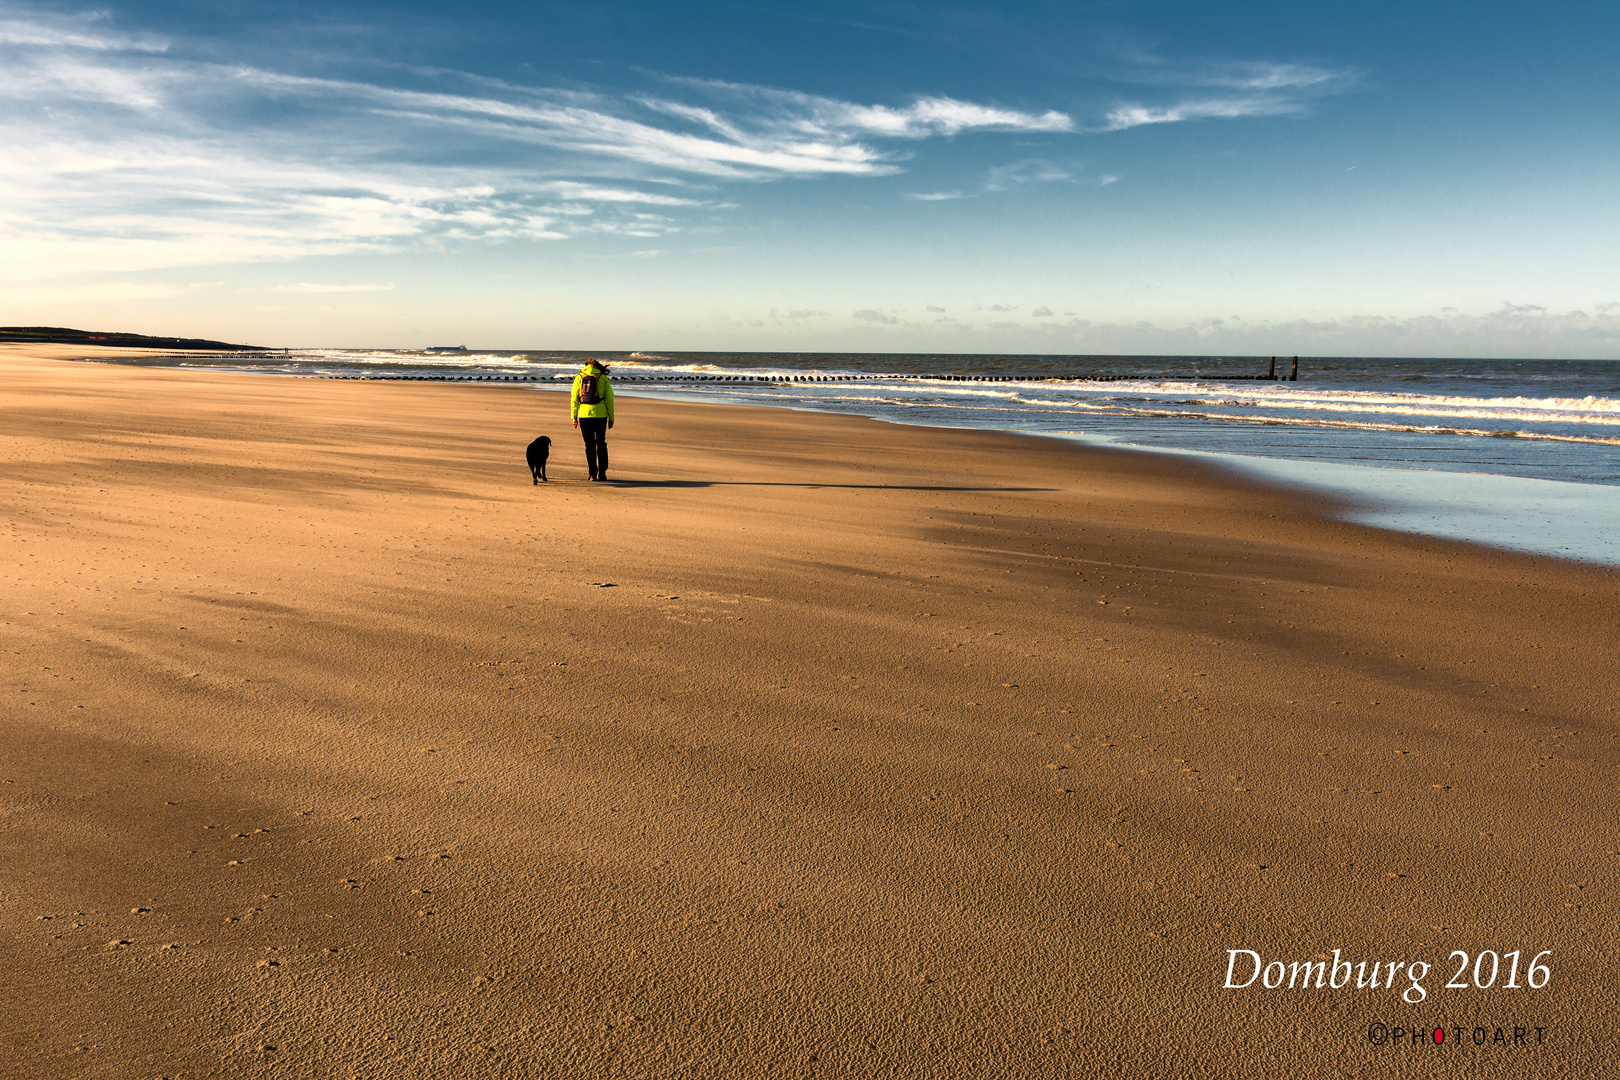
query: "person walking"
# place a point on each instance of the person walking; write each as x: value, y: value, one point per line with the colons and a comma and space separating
x: 590, y: 406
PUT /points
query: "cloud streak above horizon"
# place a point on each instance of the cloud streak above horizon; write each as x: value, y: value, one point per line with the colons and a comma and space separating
x: 1507, y: 331
x: 1228, y: 91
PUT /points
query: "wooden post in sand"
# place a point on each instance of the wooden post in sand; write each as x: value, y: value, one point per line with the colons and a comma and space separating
x: 1272, y: 374
x: 1293, y: 376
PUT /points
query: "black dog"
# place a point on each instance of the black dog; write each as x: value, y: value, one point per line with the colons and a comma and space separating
x: 537, y: 453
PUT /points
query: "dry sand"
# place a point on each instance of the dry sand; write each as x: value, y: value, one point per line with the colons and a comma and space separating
x: 813, y: 746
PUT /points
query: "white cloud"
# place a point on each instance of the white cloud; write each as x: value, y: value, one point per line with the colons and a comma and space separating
x: 1129, y: 116
x: 1228, y: 90
x: 936, y: 310
x: 318, y: 287
x: 596, y: 133
x: 75, y: 31
x: 1042, y: 313
x: 932, y: 196
x: 567, y: 189
x: 870, y: 315
x: 117, y: 154
x: 947, y: 116
x: 1261, y: 75
x: 1025, y: 172
x: 821, y: 117
x: 1244, y: 75
x: 1003, y: 307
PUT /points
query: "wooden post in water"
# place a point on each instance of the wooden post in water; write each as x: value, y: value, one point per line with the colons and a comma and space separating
x: 1272, y: 374
x: 1293, y: 376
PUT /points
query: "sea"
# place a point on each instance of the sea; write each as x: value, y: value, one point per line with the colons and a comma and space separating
x: 1521, y: 454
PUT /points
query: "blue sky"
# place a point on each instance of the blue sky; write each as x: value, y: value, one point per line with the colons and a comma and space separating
x: 1379, y: 179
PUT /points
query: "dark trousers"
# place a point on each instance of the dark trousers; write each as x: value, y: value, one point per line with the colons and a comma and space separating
x: 594, y: 428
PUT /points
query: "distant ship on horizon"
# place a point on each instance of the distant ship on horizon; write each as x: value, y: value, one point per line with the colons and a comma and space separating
x: 445, y: 348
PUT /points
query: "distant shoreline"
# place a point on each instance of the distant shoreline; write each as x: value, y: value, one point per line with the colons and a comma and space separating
x: 62, y: 335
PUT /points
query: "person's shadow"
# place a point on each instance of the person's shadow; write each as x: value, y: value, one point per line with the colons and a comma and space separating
x: 770, y: 483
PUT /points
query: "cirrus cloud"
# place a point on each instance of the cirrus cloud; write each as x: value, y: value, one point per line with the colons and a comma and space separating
x: 119, y: 152
x: 1228, y: 90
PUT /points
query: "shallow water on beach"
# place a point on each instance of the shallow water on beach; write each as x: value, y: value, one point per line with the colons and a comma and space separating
x: 1541, y: 516
x: 1370, y: 428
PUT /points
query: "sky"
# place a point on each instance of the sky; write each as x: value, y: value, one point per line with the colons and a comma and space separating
x: 1204, y: 178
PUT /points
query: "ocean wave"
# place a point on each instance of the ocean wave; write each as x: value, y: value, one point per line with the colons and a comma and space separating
x: 1011, y: 400
x: 1097, y: 409
x: 1608, y: 418
x: 1591, y: 410
x: 1293, y: 398
x: 1072, y: 409
x: 1591, y: 403
x: 1292, y: 421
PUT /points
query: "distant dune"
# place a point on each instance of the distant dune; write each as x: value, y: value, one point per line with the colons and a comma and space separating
x: 62, y: 335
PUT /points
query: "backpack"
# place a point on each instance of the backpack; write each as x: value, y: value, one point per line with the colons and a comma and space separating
x: 590, y: 392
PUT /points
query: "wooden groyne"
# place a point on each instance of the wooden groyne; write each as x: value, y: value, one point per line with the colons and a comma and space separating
x: 802, y: 380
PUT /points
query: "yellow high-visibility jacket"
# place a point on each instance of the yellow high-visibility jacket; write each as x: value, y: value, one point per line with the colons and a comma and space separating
x: 604, y: 406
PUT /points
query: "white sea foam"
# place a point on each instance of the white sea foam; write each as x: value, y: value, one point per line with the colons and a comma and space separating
x: 1367, y: 398
x: 1540, y: 413
x: 1011, y: 404
x: 1591, y: 410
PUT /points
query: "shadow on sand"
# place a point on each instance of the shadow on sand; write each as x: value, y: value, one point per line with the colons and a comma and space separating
x: 766, y: 483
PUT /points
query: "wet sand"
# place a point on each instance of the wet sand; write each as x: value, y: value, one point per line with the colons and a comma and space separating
x: 808, y: 746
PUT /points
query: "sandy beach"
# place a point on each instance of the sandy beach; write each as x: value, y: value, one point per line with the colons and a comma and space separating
x: 809, y: 746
